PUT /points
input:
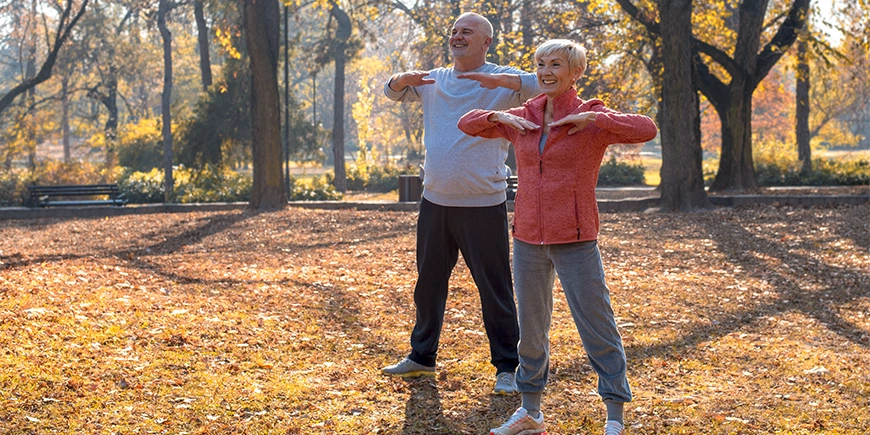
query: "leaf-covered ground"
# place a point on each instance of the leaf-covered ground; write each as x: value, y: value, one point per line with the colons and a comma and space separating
x: 736, y: 321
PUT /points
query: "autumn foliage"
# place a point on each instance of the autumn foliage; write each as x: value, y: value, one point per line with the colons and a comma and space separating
x: 750, y: 320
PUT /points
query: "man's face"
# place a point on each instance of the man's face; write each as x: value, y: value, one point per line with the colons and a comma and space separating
x: 469, y: 38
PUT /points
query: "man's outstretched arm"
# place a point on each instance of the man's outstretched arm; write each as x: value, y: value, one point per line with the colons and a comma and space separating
x: 493, y: 81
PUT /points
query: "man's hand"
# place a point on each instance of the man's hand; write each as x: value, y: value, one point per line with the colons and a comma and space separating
x: 493, y: 81
x: 580, y: 121
x: 518, y: 123
x: 410, y: 78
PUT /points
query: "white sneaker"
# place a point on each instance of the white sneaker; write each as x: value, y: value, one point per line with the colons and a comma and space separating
x: 521, y: 423
x: 505, y: 383
x: 613, y: 428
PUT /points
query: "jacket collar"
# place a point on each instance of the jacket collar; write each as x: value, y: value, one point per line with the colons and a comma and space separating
x: 563, y: 105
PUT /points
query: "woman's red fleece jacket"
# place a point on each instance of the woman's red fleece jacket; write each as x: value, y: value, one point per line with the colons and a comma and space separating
x: 555, y: 201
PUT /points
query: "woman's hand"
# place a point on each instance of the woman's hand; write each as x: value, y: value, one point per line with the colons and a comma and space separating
x: 580, y: 121
x: 517, y: 122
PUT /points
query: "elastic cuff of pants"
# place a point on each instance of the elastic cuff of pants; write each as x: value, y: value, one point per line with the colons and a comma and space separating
x: 532, y: 401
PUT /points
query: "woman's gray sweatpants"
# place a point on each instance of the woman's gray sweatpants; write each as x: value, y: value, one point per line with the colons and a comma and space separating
x: 582, y: 276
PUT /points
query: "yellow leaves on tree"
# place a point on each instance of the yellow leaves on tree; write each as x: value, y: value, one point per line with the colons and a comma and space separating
x: 225, y: 39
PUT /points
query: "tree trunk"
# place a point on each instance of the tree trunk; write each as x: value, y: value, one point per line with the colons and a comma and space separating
x: 30, y: 95
x: 682, y: 186
x: 168, y: 182
x: 111, y: 127
x: 526, y: 16
x: 287, y: 100
x: 736, y: 167
x: 30, y: 62
x: 202, y: 37
x: 64, y: 118
x: 455, y: 11
x: 655, y: 67
x: 802, y: 103
x: 262, y: 30
x: 342, y: 34
x: 747, y: 68
x: 678, y: 117
x: 733, y: 101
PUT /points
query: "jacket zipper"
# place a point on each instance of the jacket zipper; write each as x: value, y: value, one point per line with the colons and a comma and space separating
x: 541, y: 189
x: 577, y: 214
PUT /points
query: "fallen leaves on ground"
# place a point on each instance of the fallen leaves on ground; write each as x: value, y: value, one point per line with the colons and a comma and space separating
x: 735, y: 321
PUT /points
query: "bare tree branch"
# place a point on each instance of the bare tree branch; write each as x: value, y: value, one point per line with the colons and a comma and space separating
x: 64, y: 29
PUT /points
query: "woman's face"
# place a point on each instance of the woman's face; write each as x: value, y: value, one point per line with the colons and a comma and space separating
x: 555, y: 75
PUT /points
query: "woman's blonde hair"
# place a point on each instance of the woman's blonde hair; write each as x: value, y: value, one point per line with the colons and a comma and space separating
x: 575, y: 52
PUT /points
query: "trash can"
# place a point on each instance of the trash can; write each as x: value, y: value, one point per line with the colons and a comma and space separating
x: 410, y: 188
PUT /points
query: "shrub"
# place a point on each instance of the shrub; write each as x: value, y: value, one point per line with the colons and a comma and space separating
x: 142, y: 187
x: 213, y: 184
x: 209, y: 184
x: 140, y: 145
x: 315, y: 189
x: 613, y: 173
x: 377, y: 178
x: 56, y: 172
x: 355, y: 179
x: 13, y: 192
x: 825, y: 172
x: 777, y: 164
x: 219, y: 130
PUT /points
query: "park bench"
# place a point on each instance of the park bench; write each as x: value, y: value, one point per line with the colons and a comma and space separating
x: 511, y: 187
x: 44, y: 196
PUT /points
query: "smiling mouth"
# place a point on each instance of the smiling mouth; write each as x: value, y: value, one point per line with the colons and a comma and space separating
x: 548, y: 82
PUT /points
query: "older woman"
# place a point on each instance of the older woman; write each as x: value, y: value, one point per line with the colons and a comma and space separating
x: 560, y: 141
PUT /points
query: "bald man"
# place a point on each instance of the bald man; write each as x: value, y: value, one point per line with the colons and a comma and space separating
x: 463, y: 208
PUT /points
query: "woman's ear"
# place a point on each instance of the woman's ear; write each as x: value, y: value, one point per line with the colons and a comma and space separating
x: 578, y: 73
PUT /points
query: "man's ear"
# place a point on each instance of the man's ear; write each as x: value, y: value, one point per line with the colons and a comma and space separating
x: 488, y: 41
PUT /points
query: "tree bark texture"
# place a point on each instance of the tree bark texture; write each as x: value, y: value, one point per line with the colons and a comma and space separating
x: 64, y: 118
x: 30, y: 95
x: 262, y: 30
x: 342, y: 35
x: 202, y: 38
x: 166, y: 98
x: 802, y: 105
x: 682, y: 185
